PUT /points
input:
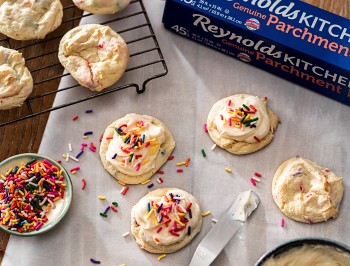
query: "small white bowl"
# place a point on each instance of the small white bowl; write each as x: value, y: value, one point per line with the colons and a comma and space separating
x: 62, y: 206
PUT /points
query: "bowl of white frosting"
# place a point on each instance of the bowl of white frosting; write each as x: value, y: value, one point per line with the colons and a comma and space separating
x: 307, y: 252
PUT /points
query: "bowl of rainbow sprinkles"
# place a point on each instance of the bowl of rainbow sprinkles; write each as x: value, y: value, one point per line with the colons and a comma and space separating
x: 35, y: 194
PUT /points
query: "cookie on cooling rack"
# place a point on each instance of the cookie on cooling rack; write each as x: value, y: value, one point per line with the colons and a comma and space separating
x: 16, y: 82
x: 307, y: 192
x: 241, y: 123
x: 165, y: 220
x: 102, y: 6
x: 29, y: 19
x: 95, y: 55
x: 134, y: 147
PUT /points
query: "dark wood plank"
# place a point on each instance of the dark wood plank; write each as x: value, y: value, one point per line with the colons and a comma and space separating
x: 25, y: 136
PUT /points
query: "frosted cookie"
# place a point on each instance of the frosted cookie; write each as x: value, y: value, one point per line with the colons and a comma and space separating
x: 102, y: 6
x: 307, y: 192
x: 16, y: 82
x: 95, y: 55
x: 241, y: 123
x: 134, y: 147
x: 29, y: 19
x: 165, y: 220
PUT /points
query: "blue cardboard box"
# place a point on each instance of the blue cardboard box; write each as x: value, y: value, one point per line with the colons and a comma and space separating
x: 292, y: 39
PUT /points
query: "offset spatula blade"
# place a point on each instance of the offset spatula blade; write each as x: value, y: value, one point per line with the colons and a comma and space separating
x: 227, y: 226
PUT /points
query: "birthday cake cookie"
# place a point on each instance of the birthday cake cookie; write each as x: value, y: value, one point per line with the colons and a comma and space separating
x: 102, y: 6
x: 165, y: 220
x: 95, y: 55
x: 134, y: 147
x: 307, y: 192
x: 241, y: 123
x: 16, y: 82
x: 29, y: 20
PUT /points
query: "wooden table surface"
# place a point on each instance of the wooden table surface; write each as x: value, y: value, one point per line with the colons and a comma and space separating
x: 25, y: 136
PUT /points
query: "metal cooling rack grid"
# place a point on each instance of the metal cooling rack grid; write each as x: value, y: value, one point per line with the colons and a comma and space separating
x: 31, y: 109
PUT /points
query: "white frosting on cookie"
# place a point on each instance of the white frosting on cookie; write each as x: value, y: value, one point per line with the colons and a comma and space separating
x: 179, y: 210
x: 229, y: 119
x: 136, y: 141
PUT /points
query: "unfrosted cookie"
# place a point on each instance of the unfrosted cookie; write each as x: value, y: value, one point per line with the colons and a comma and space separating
x: 241, y: 123
x: 165, y: 220
x: 134, y: 147
x: 29, y: 19
x: 102, y: 6
x: 95, y: 55
x: 16, y: 82
x: 307, y: 192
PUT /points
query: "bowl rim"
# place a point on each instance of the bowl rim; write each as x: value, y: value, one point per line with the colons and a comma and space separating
x: 298, y: 242
x: 68, y: 197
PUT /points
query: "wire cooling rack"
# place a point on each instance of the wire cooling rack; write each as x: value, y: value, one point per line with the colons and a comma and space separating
x: 135, y: 27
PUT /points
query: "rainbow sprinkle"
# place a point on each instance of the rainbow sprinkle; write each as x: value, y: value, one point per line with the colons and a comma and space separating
x: 27, y: 194
x: 107, y: 209
x: 72, y: 157
x: 145, y: 182
x: 282, y: 222
x: 88, y: 133
x: 95, y: 261
x: 257, y: 179
x: 206, y: 213
x: 229, y: 170
x: 253, y: 182
x: 113, y: 208
x: 161, y: 257
x: 122, y: 183
x: 74, y: 169
x: 205, y: 128
x: 124, y: 190
x: 257, y: 174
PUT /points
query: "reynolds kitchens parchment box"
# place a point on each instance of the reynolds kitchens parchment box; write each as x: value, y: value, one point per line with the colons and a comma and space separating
x: 291, y: 39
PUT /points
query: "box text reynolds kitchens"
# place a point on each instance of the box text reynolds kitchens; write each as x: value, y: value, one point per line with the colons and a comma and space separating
x: 294, y: 40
